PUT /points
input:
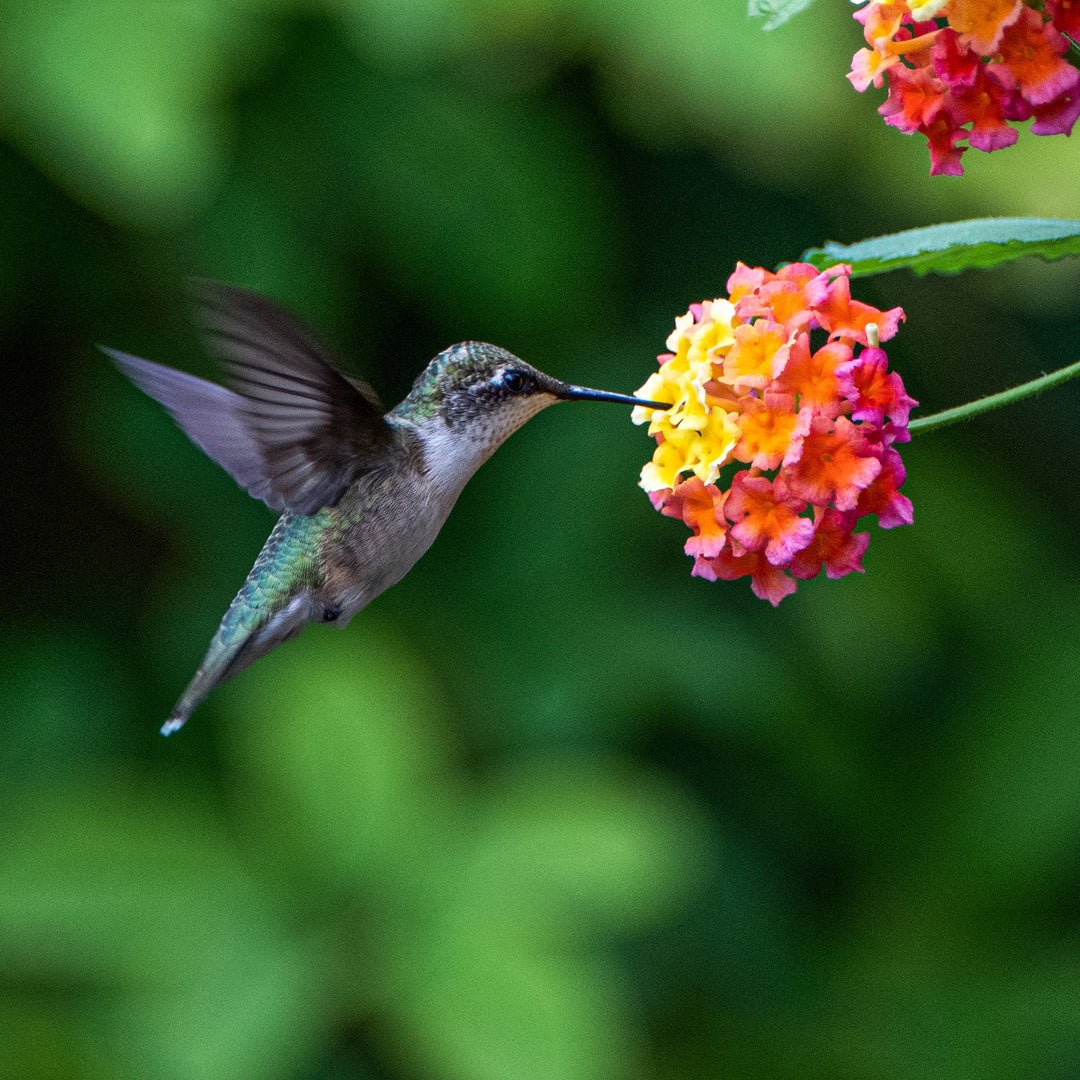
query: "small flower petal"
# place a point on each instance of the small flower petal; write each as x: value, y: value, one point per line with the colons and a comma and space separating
x: 881, y: 497
x: 1032, y: 59
x: 1065, y: 15
x: 848, y: 319
x: 701, y: 506
x: 769, y: 429
x: 835, y: 463
x: 1057, y: 117
x: 811, y: 378
x: 768, y: 582
x: 765, y: 516
x: 757, y: 356
x: 873, y: 390
x: 982, y: 22
x: 834, y: 547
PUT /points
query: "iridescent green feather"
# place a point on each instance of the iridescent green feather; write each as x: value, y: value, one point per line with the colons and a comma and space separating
x: 287, y: 564
x: 286, y: 567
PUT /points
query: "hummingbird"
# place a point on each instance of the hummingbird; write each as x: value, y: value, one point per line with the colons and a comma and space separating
x: 362, y: 494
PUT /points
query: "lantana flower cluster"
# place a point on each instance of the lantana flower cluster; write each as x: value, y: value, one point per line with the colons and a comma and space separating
x: 785, y: 382
x: 969, y: 70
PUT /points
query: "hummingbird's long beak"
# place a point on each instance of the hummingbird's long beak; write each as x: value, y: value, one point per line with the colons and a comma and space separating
x: 583, y: 393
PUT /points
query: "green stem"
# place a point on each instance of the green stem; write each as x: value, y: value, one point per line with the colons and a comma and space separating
x: 994, y: 401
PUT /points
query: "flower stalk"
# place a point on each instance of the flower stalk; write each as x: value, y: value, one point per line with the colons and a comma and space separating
x: 994, y: 401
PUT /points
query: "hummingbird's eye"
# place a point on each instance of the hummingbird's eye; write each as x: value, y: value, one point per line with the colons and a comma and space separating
x: 514, y: 381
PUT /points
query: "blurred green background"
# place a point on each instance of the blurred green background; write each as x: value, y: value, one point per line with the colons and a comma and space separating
x: 549, y: 808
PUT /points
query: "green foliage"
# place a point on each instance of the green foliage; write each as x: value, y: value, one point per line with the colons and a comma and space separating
x: 550, y: 808
x: 130, y: 891
x: 954, y: 246
x: 121, y: 100
x: 776, y: 13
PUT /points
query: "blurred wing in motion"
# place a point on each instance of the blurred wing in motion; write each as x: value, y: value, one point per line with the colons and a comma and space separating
x: 294, y: 432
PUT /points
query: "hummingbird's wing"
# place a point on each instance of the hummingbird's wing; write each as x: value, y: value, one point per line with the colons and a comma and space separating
x: 241, y: 327
x: 318, y: 430
x: 211, y: 416
x: 295, y: 432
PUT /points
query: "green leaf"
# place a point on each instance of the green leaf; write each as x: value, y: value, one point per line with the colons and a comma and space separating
x: 776, y: 12
x: 954, y: 246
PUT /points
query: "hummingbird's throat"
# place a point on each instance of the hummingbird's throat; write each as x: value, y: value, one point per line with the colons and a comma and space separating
x: 454, y: 451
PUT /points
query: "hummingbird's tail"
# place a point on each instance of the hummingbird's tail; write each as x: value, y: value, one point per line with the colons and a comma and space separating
x: 232, y: 649
x: 275, y: 604
x: 216, y: 668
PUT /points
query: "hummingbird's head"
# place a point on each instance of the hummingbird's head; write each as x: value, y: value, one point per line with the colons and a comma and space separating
x: 474, y: 383
x: 472, y: 396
